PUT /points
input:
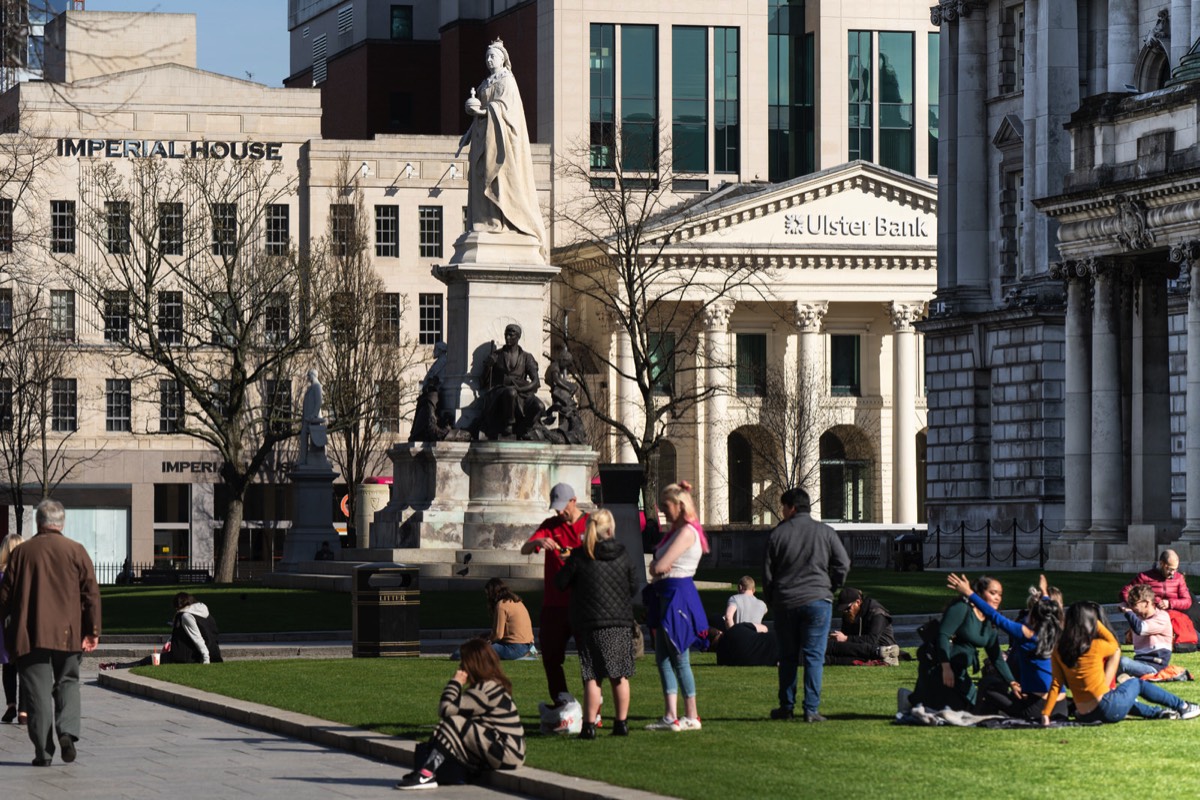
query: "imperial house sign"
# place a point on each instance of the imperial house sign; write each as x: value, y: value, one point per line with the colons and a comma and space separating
x: 156, y: 148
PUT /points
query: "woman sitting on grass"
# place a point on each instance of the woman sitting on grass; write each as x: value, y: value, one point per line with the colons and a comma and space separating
x: 944, y: 674
x: 1086, y: 661
x: 512, y: 630
x: 479, y: 729
x: 1034, y: 641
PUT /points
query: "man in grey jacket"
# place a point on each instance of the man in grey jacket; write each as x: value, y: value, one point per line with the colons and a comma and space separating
x: 805, y: 564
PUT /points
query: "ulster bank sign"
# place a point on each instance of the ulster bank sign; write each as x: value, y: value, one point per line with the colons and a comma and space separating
x: 158, y: 148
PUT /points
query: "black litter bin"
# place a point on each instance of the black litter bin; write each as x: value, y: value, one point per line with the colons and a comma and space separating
x: 387, y: 611
x: 908, y: 552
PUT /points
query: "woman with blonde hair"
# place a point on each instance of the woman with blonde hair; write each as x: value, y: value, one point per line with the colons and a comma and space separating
x: 9, y: 669
x: 673, y: 606
x: 602, y: 580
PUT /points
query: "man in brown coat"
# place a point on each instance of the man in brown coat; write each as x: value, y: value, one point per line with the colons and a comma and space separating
x: 50, y: 596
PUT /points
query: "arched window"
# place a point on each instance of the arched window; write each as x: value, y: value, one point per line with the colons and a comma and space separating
x: 846, y: 468
x: 1153, y: 68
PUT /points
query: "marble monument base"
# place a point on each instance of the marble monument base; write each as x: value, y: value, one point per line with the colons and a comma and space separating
x: 476, y: 495
x: 312, y: 488
x: 1131, y: 551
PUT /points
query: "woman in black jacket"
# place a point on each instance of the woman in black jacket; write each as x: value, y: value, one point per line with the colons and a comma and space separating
x: 602, y: 579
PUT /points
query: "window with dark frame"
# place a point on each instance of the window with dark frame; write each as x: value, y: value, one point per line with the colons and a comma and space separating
x: 430, y: 312
x: 63, y: 411
x: 224, y: 320
x: 402, y: 22
x: 170, y: 317
x: 341, y: 228
x: 751, y: 364
x: 6, y: 225
x: 170, y: 406
x: 170, y: 229
x: 118, y: 405
x: 387, y: 317
x: 278, y: 405
x: 224, y: 229
x: 661, y: 356
x: 62, y: 226
x: 116, y: 224
x: 602, y: 78
x: 6, y: 404
x: 387, y: 231
x: 844, y: 365
x: 342, y: 322
x: 387, y: 407
x: 6, y: 311
x: 116, y: 316
x: 62, y: 314
x: 279, y: 235
x: 430, y: 218
x: 277, y: 324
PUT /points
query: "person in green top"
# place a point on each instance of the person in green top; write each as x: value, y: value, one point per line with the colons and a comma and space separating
x: 944, y: 677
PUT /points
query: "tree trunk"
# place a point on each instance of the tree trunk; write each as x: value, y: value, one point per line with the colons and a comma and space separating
x: 227, y: 558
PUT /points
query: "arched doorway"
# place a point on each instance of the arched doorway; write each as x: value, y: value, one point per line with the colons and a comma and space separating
x: 754, y: 485
x: 847, y: 465
x: 741, y: 478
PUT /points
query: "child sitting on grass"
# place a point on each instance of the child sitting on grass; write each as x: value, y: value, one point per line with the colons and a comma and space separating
x: 1152, y: 635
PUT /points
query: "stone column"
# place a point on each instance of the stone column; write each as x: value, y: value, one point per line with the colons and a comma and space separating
x: 904, y: 411
x: 1108, y: 459
x: 810, y: 391
x: 1181, y: 29
x: 625, y: 394
x: 1077, y: 444
x: 1150, y: 413
x: 715, y: 485
x: 1188, y: 256
x: 947, y: 159
x: 972, y: 161
x: 1123, y: 44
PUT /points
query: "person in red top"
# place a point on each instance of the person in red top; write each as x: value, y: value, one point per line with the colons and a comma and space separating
x: 1170, y: 588
x: 557, y: 536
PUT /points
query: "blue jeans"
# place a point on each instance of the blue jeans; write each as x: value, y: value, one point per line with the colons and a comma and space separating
x: 673, y: 665
x: 802, y: 630
x: 511, y: 652
x: 1115, y: 705
x: 1137, y: 668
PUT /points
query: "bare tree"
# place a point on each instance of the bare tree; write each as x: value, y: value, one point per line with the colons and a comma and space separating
x: 619, y: 264
x: 366, y: 356
x: 193, y: 275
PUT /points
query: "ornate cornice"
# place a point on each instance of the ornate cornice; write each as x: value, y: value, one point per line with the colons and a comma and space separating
x: 951, y: 10
x: 757, y: 262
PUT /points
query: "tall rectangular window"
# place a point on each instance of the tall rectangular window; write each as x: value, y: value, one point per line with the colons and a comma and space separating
x: 726, y: 112
x: 862, y: 138
x: 116, y: 219
x: 431, y: 318
x: 430, y: 228
x: 387, y: 231
x: 118, y: 404
x: 639, y: 98
x: 689, y: 99
x: 791, y: 130
x: 170, y: 317
x: 341, y: 228
x: 6, y: 311
x: 897, y: 137
x: 170, y: 406
x: 387, y: 407
x: 224, y: 319
x: 603, y: 106
x: 62, y: 314
x: 277, y: 402
x: 402, y: 22
x: 752, y: 364
x: 6, y: 404
x: 63, y: 414
x: 844, y: 354
x: 224, y: 229
x: 279, y: 234
x: 116, y: 316
x: 6, y: 225
x: 170, y: 229
x: 935, y: 70
x: 660, y: 356
x: 387, y: 317
x: 62, y: 226
x: 277, y: 323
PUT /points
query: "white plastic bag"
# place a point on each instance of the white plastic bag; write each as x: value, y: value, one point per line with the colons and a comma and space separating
x: 565, y: 718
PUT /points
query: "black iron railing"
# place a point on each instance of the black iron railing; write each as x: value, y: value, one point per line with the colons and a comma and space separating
x: 1001, y: 545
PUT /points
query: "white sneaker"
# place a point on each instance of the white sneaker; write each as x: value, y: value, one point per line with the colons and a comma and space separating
x: 689, y: 724
x: 1190, y: 711
x: 667, y: 724
x: 890, y: 654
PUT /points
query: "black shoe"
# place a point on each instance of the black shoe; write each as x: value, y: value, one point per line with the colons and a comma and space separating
x: 620, y: 728
x: 812, y: 716
x: 43, y: 762
x: 417, y: 780
x: 66, y: 744
x: 9, y: 715
x: 782, y: 713
x: 588, y: 731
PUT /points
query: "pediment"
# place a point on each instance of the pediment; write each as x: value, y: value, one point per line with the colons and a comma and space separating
x: 1010, y: 134
x: 857, y: 205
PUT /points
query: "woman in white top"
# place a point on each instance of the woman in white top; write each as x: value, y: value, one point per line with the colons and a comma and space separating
x: 673, y: 606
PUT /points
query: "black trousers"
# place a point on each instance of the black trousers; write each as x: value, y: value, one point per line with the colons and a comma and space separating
x: 846, y: 653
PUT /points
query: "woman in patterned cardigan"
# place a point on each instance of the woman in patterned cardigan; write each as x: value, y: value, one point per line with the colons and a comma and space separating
x: 480, y: 727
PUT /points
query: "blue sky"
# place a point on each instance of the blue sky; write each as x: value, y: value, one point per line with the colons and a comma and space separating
x: 235, y: 36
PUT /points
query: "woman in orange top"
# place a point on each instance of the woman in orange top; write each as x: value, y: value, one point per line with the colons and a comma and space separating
x: 1086, y: 660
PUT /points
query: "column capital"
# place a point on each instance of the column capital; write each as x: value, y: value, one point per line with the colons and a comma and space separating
x: 904, y: 314
x: 952, y: 10
x: 717, y: 313
x: 1185, y: 254
x: 808, y: 316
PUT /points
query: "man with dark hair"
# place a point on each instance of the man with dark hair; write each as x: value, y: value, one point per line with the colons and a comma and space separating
x: 50, y: 593
x: 866, y: 632
x: 805, y: 563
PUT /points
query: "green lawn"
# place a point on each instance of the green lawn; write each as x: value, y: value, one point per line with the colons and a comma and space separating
x: 740, y: 753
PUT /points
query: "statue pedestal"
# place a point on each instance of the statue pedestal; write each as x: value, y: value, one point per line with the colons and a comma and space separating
x: 312, y: 492
x: 493, y: 280
x: 476, y: 495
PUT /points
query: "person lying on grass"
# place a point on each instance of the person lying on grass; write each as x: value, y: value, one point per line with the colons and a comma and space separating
x: 1034, y: 640
x: 1086, y: 661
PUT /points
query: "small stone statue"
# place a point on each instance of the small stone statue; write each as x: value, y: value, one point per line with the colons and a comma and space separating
x: 510, y: 382
x: 562, y: 401
x: 427, y: 425
x: 312, y: 424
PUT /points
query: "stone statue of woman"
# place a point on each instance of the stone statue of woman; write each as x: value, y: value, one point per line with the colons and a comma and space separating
x: 501, y: 191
